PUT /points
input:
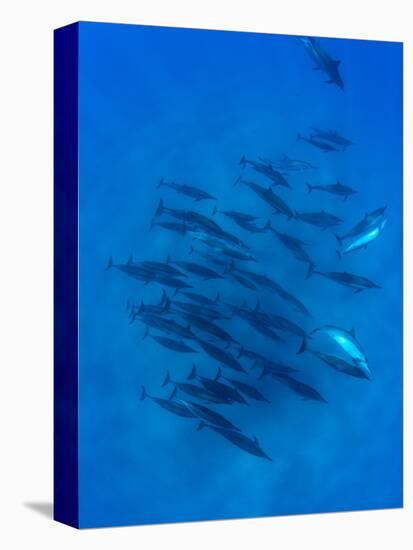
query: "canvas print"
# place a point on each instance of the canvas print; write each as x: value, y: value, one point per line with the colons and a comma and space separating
x: 237, y: 235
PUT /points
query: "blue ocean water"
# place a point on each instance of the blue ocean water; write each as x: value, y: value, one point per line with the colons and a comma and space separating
x: 186, y: 105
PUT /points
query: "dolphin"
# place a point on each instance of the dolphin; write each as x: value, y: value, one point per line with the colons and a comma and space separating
x: 323, y: 145
x: 221, y: 356
x: 250, y: 391
x: 204, y: 325
x: 286, y: 164
x: 207, y: 312
x: 243, y: 281
x: 163, y: 268
x: 235, y: 215
x: 193, y: 390
x: 267, y: 195
x: 370, y: 219
x: 157, y: 309
x: 336, y: 362
x: 165, y: 325
x: 265, y: 330
x: 304, y: 390
x: 356, y: 282
x: 265, y: 282
x: 250, y: 445
x: 332, y: 136
x: 168, y: 404
x: 321, y: 219
x: 190, y: 191
x: 267, y: 170
x: 323, y: 61
x: 294, y: 245
x: 175, y: 345
x: 347, y: 341
x: 132, y: 270
x: 361, y: 240
x: 203, y: 300
x: 334, y: 188
x: 263, y: 362
x: 213, y: 385
x: 199, y: 270
x: 208, y: 415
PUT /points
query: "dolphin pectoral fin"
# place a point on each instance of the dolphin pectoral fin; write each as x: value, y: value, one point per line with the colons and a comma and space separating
x: 201, y: 425
x: 358, y: 290
x: 192, y: 374
x: 329, y: 81
x: 167, y: 379
x: 303, y: 346
x: 310, y: 270
x: 143, y: 393
x: 110, y: 263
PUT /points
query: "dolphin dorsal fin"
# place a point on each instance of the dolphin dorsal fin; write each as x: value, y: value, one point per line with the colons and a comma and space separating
x: 256, y: 441
x: 130, y: 259
x: 257, y: 305
x: 337, y: 62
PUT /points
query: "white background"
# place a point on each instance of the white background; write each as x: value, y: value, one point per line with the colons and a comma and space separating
x: 26, y: 236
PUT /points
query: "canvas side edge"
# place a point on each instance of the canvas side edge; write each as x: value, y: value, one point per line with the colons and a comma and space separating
x: 66, y: 469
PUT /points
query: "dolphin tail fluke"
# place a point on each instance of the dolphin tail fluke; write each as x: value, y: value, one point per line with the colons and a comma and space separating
x: 167, y: 379
x: 159, y: 210
x: 110, y: 263
x: 309, y: 187
x: 143, y: 395
x: 201, y: 425
x: 303, y: 346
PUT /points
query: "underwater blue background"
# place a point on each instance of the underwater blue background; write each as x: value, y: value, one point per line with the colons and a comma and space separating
x: 186, y: 105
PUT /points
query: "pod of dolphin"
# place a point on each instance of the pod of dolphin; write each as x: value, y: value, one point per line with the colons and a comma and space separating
x: 187, y: 321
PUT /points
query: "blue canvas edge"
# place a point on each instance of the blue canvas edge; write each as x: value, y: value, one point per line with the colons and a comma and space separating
x: 66, y: 468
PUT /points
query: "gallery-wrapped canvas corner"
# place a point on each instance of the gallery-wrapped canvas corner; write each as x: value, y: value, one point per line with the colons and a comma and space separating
x: 228, y: 275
